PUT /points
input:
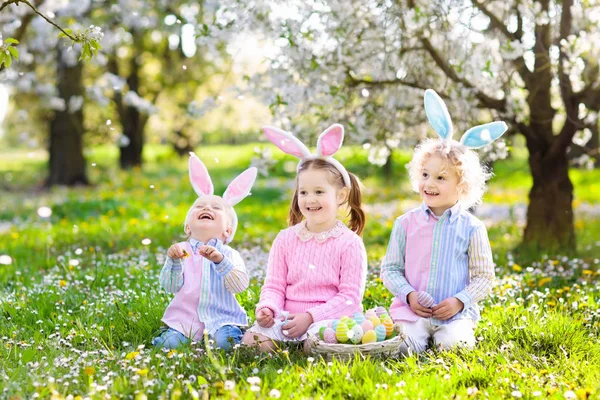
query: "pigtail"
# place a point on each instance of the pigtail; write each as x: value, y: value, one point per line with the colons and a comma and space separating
x: 295, y: 216
x: 357, y: 215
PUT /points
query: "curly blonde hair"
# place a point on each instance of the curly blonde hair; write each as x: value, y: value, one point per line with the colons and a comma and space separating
x: 472, y: 175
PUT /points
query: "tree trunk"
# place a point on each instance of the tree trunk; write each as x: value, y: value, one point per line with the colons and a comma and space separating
x: 388, y: 166
x: 550, y: 211
x: 133, y: 124
x: 67, y: 164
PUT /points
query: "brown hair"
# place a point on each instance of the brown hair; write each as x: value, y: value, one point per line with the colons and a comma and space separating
x: 354, y: 199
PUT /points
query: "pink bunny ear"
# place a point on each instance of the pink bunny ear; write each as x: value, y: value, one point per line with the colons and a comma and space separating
x: 330, y: 140
x: 240, y: 187
x: 286, y: 142
x: 199, y: 177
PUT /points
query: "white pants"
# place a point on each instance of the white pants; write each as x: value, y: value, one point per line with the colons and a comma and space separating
x: 460, y: 332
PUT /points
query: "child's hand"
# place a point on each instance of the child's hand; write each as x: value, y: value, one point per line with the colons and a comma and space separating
x: 265, y: 318
x: 447, y: 308
x: 297, y: 325
x: 211, y: 253
x: 175, y: 252
x: 417, y: 307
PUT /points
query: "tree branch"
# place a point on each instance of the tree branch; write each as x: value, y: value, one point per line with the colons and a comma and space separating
x: 572, y: 122
x: 47, y: 20
x: 496, y: 23
x: 487, y: 101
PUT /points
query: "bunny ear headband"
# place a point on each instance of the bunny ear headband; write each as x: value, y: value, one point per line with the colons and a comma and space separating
x: 474, y: 138
x: 328, y: 144
x: 237, y: 190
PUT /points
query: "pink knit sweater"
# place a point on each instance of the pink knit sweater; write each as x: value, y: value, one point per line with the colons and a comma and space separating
x: 323, y: 274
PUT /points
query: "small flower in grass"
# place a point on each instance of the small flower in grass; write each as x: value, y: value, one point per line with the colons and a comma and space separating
x: 229, y: 385
x: 274, y: 393
x: 253, y: 380
x: 5, y: 259
x: 142, y: 372
x: 132, y: 355
x: 517, y: 394
x: 44, y: 212
x: 62, y: 283
x: 89, y: 370
x: 146, y: 241
x: 569, y: 394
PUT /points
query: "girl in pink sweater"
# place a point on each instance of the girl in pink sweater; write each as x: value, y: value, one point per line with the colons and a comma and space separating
x: 317, y: 267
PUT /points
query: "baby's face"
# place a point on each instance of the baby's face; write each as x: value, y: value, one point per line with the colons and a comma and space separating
x: 209, y: 218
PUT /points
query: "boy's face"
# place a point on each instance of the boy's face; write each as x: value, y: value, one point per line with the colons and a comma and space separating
x: 209, y: 219
x: 438, y: 184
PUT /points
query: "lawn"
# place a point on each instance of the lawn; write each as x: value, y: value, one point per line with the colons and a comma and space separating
x: 80, y: 300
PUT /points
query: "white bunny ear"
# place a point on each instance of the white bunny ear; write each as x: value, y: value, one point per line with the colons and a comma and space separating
x: 482, y: 135
x: 199, y: 177
x: 330, y: 140
x: 437, y: 114
x: 286, y: 142
x: 240, y: 187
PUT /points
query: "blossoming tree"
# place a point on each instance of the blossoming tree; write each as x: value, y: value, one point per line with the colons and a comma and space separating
x: 530, y: 63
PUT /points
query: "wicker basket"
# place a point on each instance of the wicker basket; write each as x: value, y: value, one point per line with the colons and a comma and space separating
x: 386, y: 348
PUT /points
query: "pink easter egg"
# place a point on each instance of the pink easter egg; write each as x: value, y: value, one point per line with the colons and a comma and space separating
x: 329, y: 336
x: 370, y: 313
x: 367, y: 325
x: 425, y: 299
x: 380, y: 310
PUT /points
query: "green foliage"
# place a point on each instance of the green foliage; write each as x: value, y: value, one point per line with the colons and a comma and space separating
x: 79, y: 303
x: 8, y: 51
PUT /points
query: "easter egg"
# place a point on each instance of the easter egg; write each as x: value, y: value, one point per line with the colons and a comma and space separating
x: 350, y: 323
x: 358, y: 318
x: 370, y: 313
x: 389, y: 326
x: 380, y: 310
x: 425, y: 299
x: 367, y: 325
x: 334, y: 324
x: 369, y: 337
x: 341, y: 332
x: 321, y: 330
x: 357, y: 334
x: 383, y: 316
x: 380, y: 332
x: 329, y: 336
x: 375, y: 320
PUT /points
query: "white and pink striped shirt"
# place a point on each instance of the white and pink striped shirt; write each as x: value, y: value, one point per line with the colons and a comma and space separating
x: 323, y: 274
x: 446, y: 256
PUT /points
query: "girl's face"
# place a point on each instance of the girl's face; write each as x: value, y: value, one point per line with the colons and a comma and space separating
x: 438, y: 185
x: 318, y: 199
x: 209, y: 219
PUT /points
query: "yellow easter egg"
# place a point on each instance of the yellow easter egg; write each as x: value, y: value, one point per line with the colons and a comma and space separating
x: 369, y: 337
x: 375, y: 321
x: 341, y: 332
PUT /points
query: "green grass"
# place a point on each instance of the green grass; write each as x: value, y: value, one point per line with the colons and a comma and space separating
x: 80, y: 302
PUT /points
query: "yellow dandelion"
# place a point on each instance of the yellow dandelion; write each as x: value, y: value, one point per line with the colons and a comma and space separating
x: 551, y: 303
x: 544, y: 281
x: 132, y: 355
x: 185, y: 254
x: 62, y: 283
x: 89, y: 370
x: 142, y: 372
x: 517, y: 268
x: 587, y: 272
x: 171, y: 354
